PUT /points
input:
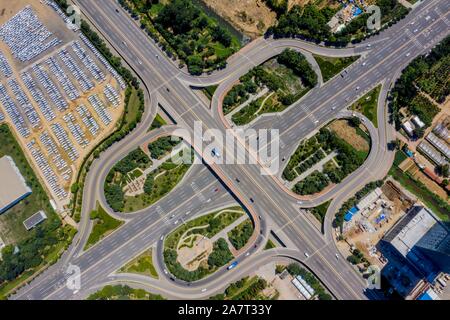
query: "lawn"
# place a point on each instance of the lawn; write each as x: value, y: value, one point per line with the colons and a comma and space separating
x: 157, y: 123
x: 320, y: 211
x: 269, y: 245
x: 209, y: 91
x: 367, y: 105
x: 329, y: 67
x: 143, y: 264
x: 104, y: 224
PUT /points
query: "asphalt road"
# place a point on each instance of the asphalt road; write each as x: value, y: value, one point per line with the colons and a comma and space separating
x: 170, y: 86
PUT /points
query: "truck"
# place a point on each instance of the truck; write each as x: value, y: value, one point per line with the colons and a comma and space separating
x: 231, y: 266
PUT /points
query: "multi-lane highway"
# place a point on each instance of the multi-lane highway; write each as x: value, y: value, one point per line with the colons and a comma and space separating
x: 278, y: 207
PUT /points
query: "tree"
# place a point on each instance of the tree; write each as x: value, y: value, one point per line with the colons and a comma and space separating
x: 74, y: 188
x: 355, y: 122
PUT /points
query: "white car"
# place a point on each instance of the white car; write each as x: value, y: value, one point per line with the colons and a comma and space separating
x: 357, y: 88
x: 162, y: 238
x: 364, y: 63
x: 165, y: 271
x: 408, y: 54
x: 306, y: 254
x: 299, y: 202
x: 176, y: 222
x: 204, y: 290
x: 369, y: 45
x: 247, y: 254
x: 337, y: 256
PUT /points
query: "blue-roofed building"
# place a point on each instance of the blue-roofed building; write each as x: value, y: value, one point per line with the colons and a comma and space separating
x: 350, y: 213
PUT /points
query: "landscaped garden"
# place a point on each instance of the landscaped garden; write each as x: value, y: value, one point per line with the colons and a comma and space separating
x: 132, y: 185
x: 184, y: 30
x: 335, y: 152
x: 189, y: 252
x: 270, y: 87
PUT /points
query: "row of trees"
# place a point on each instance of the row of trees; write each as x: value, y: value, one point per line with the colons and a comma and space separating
x: 297, y: 62
x: 241, y: 234
x: 162, y: 146
x: 310, y: 22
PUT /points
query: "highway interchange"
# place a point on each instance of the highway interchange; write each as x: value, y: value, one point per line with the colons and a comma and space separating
x: 167, y: 85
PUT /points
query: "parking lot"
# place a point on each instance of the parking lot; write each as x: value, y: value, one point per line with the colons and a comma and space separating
x: 58, y: 94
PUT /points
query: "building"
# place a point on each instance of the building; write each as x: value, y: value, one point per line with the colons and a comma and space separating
x: 441, y: 131
x: 439, y: 144
x: 34, y: 220
x: 409, y: 128
x: 431, y: 153
x: 419, y: 242
x: 418, y: 122
x: 369, y: 199
x: 16, y: 188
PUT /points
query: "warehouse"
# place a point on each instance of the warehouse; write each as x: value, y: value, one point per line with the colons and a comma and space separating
x: 16, y: 188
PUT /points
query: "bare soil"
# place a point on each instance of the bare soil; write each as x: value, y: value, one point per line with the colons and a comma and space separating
x: 348, y: 133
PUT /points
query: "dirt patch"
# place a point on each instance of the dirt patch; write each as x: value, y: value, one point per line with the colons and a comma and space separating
x: 191, y: 258
x: 430, y: 184
x: 249, y: 16
x: 349, y: 134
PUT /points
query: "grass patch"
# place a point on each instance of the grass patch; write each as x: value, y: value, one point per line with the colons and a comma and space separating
x: 367, y: 105
x: 104, y: 224
x: 120, y: 292
x: 329, y: 67
x: 320, y: 211
x: 209, y: 91
x: 269, y: 245
x: 143, y: 264
x: 157, y: 123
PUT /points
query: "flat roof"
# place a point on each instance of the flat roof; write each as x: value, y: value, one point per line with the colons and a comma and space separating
x: 34, y: 220
x: 14, y: 187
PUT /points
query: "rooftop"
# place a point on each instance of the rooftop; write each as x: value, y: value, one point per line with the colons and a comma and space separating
x: 14, y: 187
